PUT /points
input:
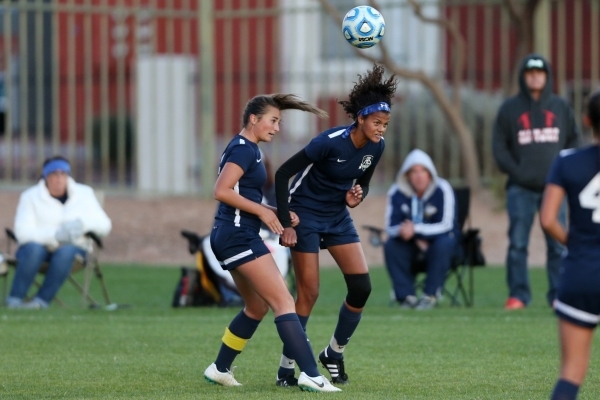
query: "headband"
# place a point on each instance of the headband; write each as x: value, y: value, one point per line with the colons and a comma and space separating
x: 374, y: 108
x: 56, y: 165
x: 385, y: 107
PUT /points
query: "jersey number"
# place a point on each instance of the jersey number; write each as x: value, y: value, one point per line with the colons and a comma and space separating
x: 590, y: 197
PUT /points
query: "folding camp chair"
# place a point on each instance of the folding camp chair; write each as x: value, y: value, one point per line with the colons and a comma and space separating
x: 89, y: 265
x: 468, y: 255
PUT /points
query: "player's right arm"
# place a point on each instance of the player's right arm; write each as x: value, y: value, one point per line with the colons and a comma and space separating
x: 554, y: 195
x: 553, y: 198
x: 291, y: 167
x: 224, y: 192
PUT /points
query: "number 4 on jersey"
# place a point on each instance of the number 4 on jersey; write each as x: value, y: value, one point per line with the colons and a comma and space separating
x: 590, y: 197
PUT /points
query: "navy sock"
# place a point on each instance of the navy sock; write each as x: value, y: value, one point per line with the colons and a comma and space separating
x: 347, y: 323
x: 294, y: 339
x: 564, y: 390
x: 242, y: 327
x: 286, y: 366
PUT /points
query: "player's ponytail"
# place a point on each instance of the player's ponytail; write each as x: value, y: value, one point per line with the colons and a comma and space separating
x: 293, y: 102
x: 593, y: 111
x: 258, y: 105
x: 370, y: 89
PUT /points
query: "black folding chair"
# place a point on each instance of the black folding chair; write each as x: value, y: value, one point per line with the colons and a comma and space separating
x: 467, y: 257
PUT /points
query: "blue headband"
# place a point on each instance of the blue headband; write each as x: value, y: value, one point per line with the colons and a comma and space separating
x: 56, y: 165
x: 385, y: 107
x: 374, y: 108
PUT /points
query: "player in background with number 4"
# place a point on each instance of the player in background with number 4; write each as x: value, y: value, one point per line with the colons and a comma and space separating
x: 575, y: 175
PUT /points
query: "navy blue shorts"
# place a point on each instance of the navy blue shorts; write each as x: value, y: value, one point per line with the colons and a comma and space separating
x: 234, y: 246
x: 578, y: 298
x: 314, y: 235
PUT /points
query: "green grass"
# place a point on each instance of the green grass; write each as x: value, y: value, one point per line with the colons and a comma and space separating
x: 152, y: 351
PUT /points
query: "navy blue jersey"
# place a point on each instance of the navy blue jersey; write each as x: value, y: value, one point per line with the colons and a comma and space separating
x: 578, y: 173
x: 247, y: 155
x: 320, y: 189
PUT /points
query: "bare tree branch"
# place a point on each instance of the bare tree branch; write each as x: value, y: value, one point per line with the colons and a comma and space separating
x: 524, y: 21
x: 451, y: 109
x: 513, y: 10
x: 384, y: 50
x: 459, y: 41
x: 385, y: 58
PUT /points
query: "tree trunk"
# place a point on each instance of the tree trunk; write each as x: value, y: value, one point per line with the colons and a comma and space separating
x: 465, y: 136
x: 525, y: 25
x: 450, y: 108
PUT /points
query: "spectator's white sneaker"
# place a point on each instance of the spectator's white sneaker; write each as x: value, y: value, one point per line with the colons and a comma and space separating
x: 35, y: 304
x: 317, y: 384
x: 13, y: 302
x: 426, y: 303
x: 214, y: 376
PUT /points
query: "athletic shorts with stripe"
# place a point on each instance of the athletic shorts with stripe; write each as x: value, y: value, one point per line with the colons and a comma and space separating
x: 315, y: 234
x: 234, y: 246
x: 578, y: 298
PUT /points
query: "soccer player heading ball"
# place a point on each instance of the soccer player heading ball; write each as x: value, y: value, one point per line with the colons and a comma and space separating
x: 575, y: 175
x: 239, y: 248
x: 320, y: 194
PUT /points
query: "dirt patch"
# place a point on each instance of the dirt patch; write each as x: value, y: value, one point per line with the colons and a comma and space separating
x: 146, y: 230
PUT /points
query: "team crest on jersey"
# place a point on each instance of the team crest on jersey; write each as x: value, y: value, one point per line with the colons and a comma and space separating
x: 366, y: 162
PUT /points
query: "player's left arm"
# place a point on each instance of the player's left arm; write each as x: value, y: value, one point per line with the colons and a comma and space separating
x: 553, y: 198
x: 364, y: 181
x: 293, y: 216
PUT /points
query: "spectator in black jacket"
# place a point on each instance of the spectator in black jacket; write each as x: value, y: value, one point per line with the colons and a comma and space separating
x: 530, y: 130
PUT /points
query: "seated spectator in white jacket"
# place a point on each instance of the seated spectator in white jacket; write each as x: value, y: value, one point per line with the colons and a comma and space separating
x: 421, y: 220
x: 50, y: 225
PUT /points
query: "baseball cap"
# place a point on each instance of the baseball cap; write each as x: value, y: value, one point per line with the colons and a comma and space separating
x: 535, y: 63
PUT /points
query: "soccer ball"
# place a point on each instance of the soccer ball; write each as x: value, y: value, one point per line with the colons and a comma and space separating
x: 363, y: 27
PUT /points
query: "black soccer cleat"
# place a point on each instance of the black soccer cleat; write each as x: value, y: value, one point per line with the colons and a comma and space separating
x: 335, y: 368
x: 286, y: 381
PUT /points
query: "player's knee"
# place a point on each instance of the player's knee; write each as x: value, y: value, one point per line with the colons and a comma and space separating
x: 309, y: 295
x: 359, y: 289
x: 256, y: 310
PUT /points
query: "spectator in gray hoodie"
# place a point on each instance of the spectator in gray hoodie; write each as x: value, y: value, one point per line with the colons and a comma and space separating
x: 530, y: 130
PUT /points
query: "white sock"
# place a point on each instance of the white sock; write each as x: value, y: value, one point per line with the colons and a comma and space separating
x: 335, y: 346
x: 287, y: 363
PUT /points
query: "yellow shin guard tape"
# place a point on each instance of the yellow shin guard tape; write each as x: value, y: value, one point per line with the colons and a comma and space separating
x: 230, y: 340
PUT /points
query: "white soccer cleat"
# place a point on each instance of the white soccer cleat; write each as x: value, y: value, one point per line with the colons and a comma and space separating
x: 214, y: 376
x: 317, y: 384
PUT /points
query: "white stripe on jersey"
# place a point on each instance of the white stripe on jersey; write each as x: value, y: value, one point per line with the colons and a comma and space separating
x: 336, y: 133
x: 236, y: 220
x: 299, y: 182
x: 237, y: 257
x: 573, y: 312
x: 392, y: 231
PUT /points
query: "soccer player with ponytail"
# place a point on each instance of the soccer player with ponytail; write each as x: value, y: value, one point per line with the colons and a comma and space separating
x: 237, y: 245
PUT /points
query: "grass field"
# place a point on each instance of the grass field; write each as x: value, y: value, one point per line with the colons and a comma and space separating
x: 151, y: 351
